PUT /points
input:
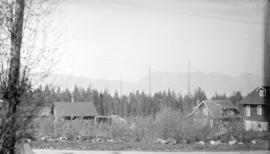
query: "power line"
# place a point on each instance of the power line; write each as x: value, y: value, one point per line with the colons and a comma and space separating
x: 184, y: 13
x: 240, y: 6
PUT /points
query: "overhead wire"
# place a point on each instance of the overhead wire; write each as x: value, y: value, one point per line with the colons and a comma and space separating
x: 136, y: 5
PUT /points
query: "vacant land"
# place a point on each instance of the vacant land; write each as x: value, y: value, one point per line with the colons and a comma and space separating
x: 41, y: 151
x: 139, y: 146
x: 165, y: 132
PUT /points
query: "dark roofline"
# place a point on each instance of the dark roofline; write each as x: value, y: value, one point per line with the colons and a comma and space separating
x: 254, y: 99
x: 214, y: 102
x: 75, y: 109
x: 197, y: 107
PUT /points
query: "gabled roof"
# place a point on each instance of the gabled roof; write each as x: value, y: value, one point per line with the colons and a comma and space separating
x: 224, y: 104
x: 254, y: 98
x: 215, y: 107
x: 80, y: 109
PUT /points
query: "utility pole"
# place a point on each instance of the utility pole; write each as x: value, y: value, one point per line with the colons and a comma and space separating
x: 120, y: 85
x: 149, y: 86
x: 189, y: 77
x: 266, y: 55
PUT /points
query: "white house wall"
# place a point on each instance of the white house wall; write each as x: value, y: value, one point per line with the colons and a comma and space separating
x: 254, y: 125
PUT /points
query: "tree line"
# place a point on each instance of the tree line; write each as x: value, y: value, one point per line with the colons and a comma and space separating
x: 128, y: 105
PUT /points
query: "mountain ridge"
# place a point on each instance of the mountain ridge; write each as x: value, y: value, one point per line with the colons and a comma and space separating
x: 160, y: 81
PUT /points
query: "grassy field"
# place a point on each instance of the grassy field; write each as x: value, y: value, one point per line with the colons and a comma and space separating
x: 142, y: 134
x: 140, y: 146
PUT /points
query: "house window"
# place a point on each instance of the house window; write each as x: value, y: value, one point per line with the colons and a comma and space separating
x: 211, y: 123
x: 204, y: 122
x: 225, y: 123
x: 248, y: 111
x: 67, y: 118
x: 205, y: 112
x: 259, y: 110
x: 262, y: 93
x: 230, y: 112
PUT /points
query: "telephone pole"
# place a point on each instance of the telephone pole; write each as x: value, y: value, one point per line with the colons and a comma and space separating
x: 189, y: 77
x: 120, y: 85
x: 266, y: 55
x: 149, y: 86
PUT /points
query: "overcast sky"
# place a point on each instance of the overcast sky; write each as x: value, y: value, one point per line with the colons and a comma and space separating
x: 109, y: 39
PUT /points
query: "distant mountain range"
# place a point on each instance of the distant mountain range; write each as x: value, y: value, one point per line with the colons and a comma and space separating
x: 209, y: 82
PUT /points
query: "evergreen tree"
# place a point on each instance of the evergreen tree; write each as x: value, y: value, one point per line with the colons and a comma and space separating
x: 219, y: 97
x: 236, y: 97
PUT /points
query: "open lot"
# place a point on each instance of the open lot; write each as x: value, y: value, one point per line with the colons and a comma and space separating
x: 46, y: 151
x: 140, y: 146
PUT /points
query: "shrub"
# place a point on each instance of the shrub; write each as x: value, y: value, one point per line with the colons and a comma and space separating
x: 187, y: 131
x: 191, y: 133
x: 265, y: 135
x: 119, y: 131
x: 45, y: 126
x: 143, y: 129
x: 247, y: 136
x: 138, y: 131
x: 168, y: 123
x: 149, y: 128
x: 75, y: 129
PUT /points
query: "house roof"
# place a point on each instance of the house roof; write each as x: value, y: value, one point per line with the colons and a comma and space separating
x: 254, y: 98
x: 215, y: 107
x: 224, y: 104
x: 64, y: 109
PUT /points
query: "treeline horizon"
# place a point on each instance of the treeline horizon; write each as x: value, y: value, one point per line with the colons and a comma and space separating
x: 129, y: 105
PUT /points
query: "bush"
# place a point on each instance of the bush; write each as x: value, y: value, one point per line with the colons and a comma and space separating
x: 75, y: 129
x: 247, y: 136
x: 191, y: 133
x: 143, y: 129
x: 168, y: 123
x: 45, y: 126
x: 119, y: 132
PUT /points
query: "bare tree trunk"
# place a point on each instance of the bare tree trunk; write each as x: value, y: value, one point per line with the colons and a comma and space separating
x: 13, y: 96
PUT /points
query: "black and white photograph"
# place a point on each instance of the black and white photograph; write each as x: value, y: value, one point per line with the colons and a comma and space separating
x: 134, y: 76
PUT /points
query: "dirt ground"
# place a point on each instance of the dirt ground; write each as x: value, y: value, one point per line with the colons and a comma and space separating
x: 47, y: 151
x: 139, y: 146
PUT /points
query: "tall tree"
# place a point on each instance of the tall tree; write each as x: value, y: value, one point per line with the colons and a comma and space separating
x: 219, y: 96
x: 236, y: 97
x: 14, y: 67
x: 11, y: 93
x: 199, y: 94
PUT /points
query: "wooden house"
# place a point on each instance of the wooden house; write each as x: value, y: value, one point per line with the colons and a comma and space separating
x: 255, y: 106
x: 214, y: 113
